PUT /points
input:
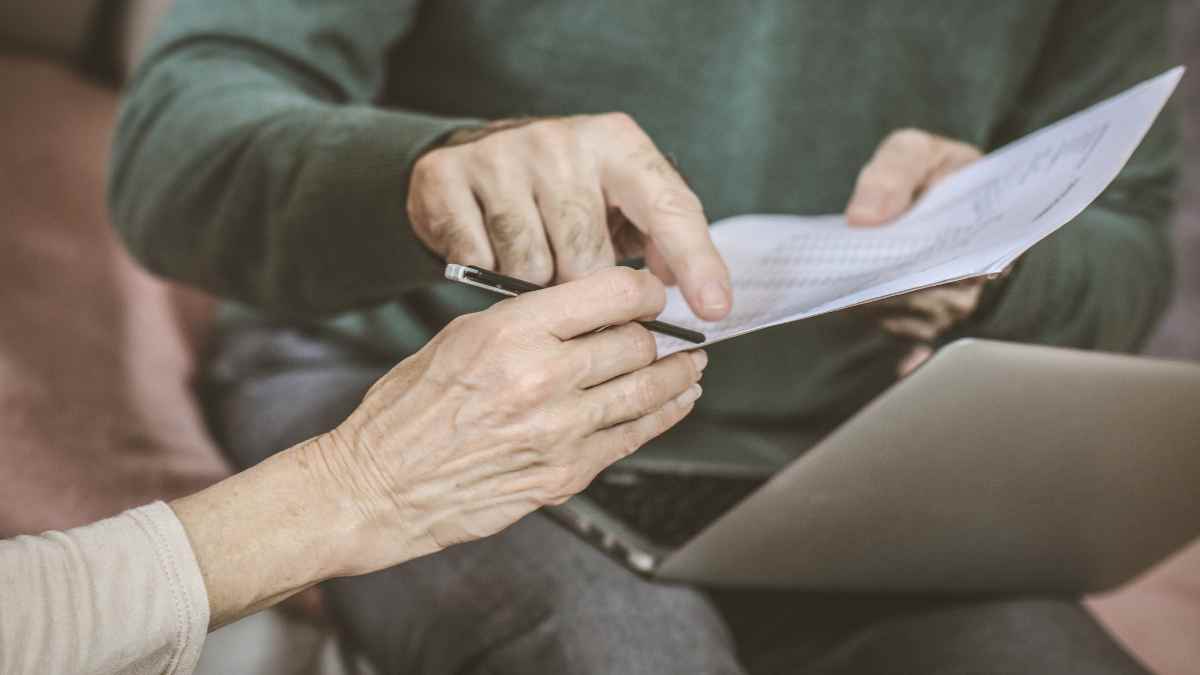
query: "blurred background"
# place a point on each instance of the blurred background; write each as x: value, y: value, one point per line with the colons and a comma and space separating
x: 1179, y: 336
x: 97, y: 357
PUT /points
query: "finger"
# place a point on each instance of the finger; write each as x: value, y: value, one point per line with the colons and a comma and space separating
x: 628, y: 241
x: 888, y: 183
x: 611, y: 444
x: 658, y: 265
x: 445, y: 215
x: 515, y: 230
x: 934, y: 306
x: 641, y: 392
x: 642, y: 183
x: 608, y: 297
x: 946, y: 305
x: 914, y: 359
x: 911, y: 328
x: 577, y: 229
x: 907, y: 163
x: 610, y: 353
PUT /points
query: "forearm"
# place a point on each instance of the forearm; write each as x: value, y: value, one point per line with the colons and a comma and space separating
x: 245, y: 185
x: 250, y: 158
x: 271, y: 531
x: 138, y: 592
x: 1102, y: 280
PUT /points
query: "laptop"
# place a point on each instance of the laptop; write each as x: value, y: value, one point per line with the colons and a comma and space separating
x: 996, y: 467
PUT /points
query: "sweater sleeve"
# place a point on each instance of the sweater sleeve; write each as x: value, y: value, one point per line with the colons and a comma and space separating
x: 1103, y: 280
x: 123, y: 596
x: 250, y: 161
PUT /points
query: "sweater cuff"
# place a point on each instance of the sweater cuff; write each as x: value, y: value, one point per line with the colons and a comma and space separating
x: 179, y: 567
x: 360, y: 163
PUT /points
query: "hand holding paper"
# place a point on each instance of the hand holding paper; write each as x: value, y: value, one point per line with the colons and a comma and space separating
x: 907, y: 164
x: 972, y: 224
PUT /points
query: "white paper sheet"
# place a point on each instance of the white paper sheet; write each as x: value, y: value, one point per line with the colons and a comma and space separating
x: 974, y: 223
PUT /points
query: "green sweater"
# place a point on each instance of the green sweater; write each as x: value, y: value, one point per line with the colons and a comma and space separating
x: 264, y: 152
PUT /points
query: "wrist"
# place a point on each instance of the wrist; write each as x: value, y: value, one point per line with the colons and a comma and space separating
x: 268, y: 532
x: 370, y: 532
x: 338, y: 517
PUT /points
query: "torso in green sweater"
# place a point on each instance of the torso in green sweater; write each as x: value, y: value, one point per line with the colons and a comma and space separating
x: 769, y: 106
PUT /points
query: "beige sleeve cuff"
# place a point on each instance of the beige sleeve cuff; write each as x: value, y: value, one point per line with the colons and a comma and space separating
x: 123, y: 596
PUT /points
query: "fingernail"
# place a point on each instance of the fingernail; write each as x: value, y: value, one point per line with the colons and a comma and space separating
x: 714, y: 296
x: 700, y: 359
x: 690, y: 395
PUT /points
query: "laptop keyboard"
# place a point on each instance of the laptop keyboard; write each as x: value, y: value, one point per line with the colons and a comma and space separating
x: 668, y: 508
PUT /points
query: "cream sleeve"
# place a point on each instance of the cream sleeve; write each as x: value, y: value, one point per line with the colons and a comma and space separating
x: 123, y: 596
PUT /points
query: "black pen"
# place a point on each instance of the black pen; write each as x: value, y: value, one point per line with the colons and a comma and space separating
x: 498, y: 283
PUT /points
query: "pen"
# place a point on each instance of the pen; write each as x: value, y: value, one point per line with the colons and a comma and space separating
x: 498, y: 283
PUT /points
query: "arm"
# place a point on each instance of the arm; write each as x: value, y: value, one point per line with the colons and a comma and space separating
x: 123, y: 595
x: 249, y: 160
x: 501, y: 413
x: 1103, y: 280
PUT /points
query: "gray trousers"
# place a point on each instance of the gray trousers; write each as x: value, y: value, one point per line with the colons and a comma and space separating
x: 535, y: 599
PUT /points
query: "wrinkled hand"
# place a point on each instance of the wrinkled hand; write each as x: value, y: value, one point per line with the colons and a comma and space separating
x: 908, y: 163
x: 508, y: 410
x: 554, y: 199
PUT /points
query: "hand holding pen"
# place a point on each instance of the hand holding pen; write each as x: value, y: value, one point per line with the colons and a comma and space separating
x: 498, y: 283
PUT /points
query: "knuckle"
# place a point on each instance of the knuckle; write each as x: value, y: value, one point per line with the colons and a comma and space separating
x: 645, y: 393
x: 505, y: 224
x: 464, y: 323
x: 560, y: 482
x: 568, y: 480
x: 600, y: 414
x: 434, y: 168
x: 642, y: 344
x: 538, y: 267
x: 543, y: 426
x: 461, y: 247
x: 631, y: 437
x: 509, y: 234
x: 549, y: 134
x: 910, y: 137
x: 618, y: 119
x: 436, y: 223
x: 680, y: 202
x: 626, y: 285
x: 620, y: 123
x: 489, y: 157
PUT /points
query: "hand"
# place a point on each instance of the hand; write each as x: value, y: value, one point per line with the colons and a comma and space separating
x: 908, y: 163
x: 506, y: 411
x: 502, y: 412
x: 555, y: 199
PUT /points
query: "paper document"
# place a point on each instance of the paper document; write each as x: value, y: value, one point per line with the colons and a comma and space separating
x: 974, y: 223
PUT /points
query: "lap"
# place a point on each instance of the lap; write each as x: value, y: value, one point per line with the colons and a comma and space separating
x: 845, y: 634
x: 536, y: 599
x: 530, y: 598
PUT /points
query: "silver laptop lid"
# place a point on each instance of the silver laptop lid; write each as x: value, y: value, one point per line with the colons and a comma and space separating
x: 995, y: 467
